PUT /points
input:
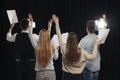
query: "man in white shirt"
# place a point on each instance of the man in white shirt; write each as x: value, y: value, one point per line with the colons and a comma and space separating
x: 24, y: 52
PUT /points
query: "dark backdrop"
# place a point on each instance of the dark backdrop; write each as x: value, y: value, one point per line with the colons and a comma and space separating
x: 73, y: 16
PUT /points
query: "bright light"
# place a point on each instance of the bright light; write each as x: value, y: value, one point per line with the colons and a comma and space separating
x: 101, y: 23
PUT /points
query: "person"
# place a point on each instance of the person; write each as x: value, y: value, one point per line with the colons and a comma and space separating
x: 105, y: 20
x: 92, y: 68
x: 101, y: 23
x: 73, y: 58
x: 46, y: 52
x: 31, y: 21
x: 24, y: 51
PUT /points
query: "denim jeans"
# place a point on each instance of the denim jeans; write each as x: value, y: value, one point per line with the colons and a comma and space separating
x: 88, y: 75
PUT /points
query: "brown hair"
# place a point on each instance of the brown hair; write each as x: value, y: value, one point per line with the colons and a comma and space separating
x: 72, y: 55
x: 43, y: 48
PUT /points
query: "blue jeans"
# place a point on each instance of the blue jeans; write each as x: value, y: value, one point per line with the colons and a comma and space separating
x: 88, y: 75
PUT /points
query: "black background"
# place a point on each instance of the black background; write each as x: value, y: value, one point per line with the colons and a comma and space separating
x: 73, y: 16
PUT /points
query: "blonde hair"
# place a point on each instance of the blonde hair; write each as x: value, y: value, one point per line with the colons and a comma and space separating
x: 44, y: 48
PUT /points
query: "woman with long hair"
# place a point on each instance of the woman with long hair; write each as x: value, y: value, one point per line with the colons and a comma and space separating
x: 45, y: 53
x: 73, y: 58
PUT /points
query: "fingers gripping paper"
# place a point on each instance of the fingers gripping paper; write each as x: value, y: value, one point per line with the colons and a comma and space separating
x: 102, y: 34
x: 12, y: 16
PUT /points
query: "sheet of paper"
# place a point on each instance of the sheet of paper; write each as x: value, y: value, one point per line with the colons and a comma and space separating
x: 55, y: 41
x: 12, y: 16
x: 102, y: 34
x: 64, y: 37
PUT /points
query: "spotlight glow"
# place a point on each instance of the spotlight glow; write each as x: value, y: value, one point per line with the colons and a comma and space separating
x: 101, y: 23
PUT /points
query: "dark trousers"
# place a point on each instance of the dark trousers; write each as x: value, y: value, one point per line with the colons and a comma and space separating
x: 25, y: 70
x: 69, y: 76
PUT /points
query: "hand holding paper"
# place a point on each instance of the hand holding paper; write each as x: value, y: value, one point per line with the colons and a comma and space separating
x: 12, y: 25
x: 12, y: 16
x: 102, y: 35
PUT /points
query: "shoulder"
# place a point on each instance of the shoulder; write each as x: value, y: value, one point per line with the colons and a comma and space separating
x: 84, y: 38
x: 35, y: 35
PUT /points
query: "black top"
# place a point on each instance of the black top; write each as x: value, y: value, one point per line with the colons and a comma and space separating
x: 23, y: 47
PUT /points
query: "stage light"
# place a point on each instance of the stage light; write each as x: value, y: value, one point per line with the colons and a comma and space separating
x: 101, y: 23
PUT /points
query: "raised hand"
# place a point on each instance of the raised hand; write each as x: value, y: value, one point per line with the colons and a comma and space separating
x: 50, y: 23
x: 30, y: 16
x: 55, y: 19
x: 12, y: 25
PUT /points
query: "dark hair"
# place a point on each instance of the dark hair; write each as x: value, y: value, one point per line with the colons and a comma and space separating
x: 91, y: 26
x: 72, y: 55
x: 24, y: 23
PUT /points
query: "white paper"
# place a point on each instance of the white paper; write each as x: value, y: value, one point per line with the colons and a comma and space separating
x: 64, y: 37
x: 55, y: 41
x: 12, y: 16
x: 102, y: 34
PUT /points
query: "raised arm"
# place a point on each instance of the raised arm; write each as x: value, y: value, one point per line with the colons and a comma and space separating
x: 9, y: 36
x: 30, y: 16
x: 33, y: 37
x: 49, y: 25
x: 94, y: 53
x: 56, y: 20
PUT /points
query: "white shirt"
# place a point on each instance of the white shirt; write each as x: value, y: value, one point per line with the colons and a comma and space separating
x: 11, y: 38
x: 54, y: 56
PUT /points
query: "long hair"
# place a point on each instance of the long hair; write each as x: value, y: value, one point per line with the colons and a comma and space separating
x: 72, y: 55
x: 43, y: 48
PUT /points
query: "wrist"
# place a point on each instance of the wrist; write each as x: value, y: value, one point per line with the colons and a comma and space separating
x: 57, y: 23
x: 11, y: 27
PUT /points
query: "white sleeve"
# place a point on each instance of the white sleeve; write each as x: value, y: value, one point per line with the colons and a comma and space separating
x: 10, y: 37
x: 35, y: 40
x: 33, y: 37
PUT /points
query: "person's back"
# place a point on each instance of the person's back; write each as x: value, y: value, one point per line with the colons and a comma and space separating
x: 24, y: 52
x: 24, y: 49
x: 73, y: 58
x: 45, y: 53
x: 87, y: 43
